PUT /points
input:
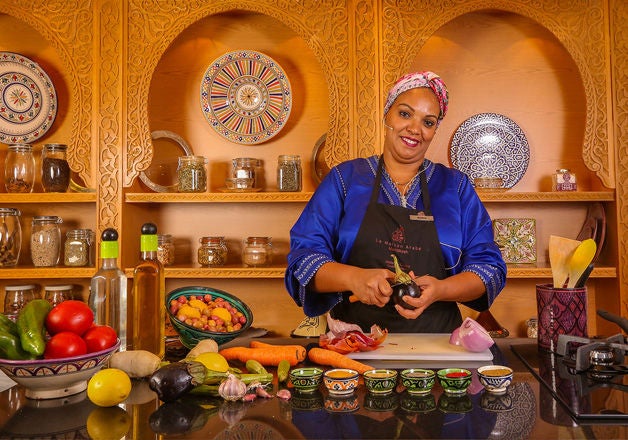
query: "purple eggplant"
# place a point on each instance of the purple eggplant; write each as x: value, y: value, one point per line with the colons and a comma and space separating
x: 403, y: 285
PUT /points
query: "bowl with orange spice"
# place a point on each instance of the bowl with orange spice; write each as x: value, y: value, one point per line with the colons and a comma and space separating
x: 495, y: 378
x: 341, y: 381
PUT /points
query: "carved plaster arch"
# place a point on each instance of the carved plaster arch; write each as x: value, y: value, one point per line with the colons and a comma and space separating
x: 166, y: 21
x: 568, y: 25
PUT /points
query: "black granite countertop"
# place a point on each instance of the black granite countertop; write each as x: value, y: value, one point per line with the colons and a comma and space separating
x: 528, y: 410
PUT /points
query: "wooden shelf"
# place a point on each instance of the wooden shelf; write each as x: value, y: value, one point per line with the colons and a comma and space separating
x: 222, y: 197
x: 47, y: 272
x: 565, y: 196
x: 522, y: 271
x: 48, y: 197
x: 220, y: 272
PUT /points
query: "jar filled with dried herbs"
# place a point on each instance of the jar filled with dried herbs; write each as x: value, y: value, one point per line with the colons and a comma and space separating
x: 46, y: 240
x: 192, y: 174
x: 289, y: 172
x: 55, y: 170
x: 165, y: 249
x: 257, y: 252
x: 77, y: 247
x: 19, y: 169
x: 212, y: 252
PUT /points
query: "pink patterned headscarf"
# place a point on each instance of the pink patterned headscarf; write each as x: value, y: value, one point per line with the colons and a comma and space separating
x: 420, y: 79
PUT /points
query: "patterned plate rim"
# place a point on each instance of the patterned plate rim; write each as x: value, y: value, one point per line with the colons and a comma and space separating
x: 242, y: 74
x: 33, y: 78
x: 494, y: 119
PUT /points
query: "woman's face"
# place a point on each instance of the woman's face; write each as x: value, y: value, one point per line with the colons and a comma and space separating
x: 410, y: 125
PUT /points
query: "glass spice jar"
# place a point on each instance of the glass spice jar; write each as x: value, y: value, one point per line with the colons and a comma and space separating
x: 10, y: 236
x: 257, y: 252
x: 165, y: 249
x: 212, y: 252
x: 46, y: 240
x: 58, y: 293
x: 55, y: 170
x: 248, y: 168
x: 564, y: 180
x: 16, y: 297
x: 192, y: 174
x: 77, y: 249
x: 289, y: 173
x: 19, y: 169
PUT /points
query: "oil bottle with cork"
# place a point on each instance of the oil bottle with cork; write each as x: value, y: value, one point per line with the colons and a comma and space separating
x: 108, y: 288
x: 149, y: 293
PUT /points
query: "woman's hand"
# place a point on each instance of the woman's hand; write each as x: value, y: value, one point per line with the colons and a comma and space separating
x: 371, y: 286
x: 429, y: 293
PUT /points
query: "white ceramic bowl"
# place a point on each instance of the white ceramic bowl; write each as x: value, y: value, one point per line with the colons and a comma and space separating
x: 54, y: 378
x: 495, y: 378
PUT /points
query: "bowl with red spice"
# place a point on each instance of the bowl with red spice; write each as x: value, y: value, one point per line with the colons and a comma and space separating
x: 454, y: 380
x: 495, y: 378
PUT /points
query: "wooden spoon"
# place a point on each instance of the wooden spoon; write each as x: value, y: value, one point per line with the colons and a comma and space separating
x: 560, y: 251
x: 580, y: 260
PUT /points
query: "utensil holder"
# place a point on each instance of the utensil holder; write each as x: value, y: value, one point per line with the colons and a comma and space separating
x: 560, y: 311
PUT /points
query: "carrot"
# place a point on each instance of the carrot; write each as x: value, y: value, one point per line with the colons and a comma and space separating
x: 266, y: 355
x: 260, y: 344
x: 323, y: 356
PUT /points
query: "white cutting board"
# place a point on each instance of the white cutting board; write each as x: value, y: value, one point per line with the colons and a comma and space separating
x: 414, y: 347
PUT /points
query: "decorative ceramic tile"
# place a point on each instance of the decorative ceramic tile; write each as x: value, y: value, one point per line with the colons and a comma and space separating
x: 516, y: 238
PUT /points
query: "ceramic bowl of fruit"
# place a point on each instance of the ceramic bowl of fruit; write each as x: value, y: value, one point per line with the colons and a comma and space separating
x: 55, y: 378
x: 198, y: 313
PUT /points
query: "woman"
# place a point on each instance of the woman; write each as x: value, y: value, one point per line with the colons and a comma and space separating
x: 400, y: 203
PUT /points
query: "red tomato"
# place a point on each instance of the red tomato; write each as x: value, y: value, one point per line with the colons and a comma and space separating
x: 69, y: 316
x: 65, y: 344
x: 100, y: 337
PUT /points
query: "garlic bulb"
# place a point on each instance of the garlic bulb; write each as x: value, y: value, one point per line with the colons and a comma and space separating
x: 232, y: 388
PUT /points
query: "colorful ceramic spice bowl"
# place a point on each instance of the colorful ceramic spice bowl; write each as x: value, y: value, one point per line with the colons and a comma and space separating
x: 454, y: 380
x: 418, y: 380
x: 307, y: 379
x: 341, y: 381
x: 381, y: 381
x: 495, y: 378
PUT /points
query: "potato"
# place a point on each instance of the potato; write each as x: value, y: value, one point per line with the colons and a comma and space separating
x: 135, y: 363
x: 204, y: 346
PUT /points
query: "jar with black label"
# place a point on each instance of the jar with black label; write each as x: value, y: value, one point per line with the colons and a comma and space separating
x: 212, y: 252
x: 77, y: 248
x: 46, y: 240
x: 10, y: 236
x: 165, y: 249
x: 192, y: 174
x: 257, y: 252
x: 55, y: 170
x: 289, y: 172
x: 19, y: 169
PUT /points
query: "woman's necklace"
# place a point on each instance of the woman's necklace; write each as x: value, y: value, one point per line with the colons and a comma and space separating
x: 405, y: 186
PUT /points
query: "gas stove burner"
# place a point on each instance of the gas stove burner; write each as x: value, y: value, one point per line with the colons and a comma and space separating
x: 603, y: 354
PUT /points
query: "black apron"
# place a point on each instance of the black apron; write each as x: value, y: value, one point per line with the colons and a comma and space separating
x: 410, y: 235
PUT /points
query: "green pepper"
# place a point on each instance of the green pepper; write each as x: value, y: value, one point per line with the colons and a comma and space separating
x: 7, y: 325
x: 30, y: 326
x: 11, y: 348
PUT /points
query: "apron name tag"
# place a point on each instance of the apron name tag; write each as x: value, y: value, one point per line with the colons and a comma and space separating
x: 421, y: 217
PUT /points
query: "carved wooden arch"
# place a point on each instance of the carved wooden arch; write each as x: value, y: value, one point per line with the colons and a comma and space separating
x: 75, y: 51
x: 152, y: 29
x: 579, y: 27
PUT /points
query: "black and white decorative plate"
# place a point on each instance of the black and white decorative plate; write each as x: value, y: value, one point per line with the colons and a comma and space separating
x: 246, y: 97
x: 490, y: 145
x: 28, y: 100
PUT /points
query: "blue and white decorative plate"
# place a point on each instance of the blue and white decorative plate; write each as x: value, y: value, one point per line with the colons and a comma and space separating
x: 28, y: 100
x: 490, y: 145
x: 246, y: 97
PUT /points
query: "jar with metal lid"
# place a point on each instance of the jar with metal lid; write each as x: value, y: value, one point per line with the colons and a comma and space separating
x: 19, y: 169
x: 165, y: 249
x: 16, y: 297
x: 257, y: 252
x: 192, y: 174
x: 212, y: 252
x: 248, y: 168
x: 58, y: 293
x: 289, y: 172
x: 46, y: 240
x: 564, y: 180
x: 77, y: 248
x: 55, y: 170
x: 10, y: 236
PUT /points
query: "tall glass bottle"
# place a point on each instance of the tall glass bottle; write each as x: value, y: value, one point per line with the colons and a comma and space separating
x: 108, y: 288
x: 149, y: 296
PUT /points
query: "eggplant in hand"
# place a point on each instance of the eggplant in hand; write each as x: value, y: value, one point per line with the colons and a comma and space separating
x: 403, y: 285
x: 174, y: 380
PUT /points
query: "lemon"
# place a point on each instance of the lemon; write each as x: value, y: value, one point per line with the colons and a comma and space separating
x: 222, y: 313
x: 108, y: 387
x: 213, y: 361
x: 112, y: 423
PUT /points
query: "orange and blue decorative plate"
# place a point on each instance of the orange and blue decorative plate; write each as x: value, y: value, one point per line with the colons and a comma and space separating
x: 246, y: 97
x: 28, y: 100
